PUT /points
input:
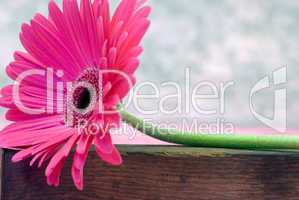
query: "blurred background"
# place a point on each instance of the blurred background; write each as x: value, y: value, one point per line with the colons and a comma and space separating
x: 219, y: 41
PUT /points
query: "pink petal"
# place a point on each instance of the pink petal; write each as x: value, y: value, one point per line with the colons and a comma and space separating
x: 122, y: 87
x: 53, y: 179
x: 89, y: 22
x: 35, y: 42
x: 43, y: 155
x: 112, y: 120
x: 77, y: 32
x: 112, y: 56
x: 136, y: 33
x: 35, y: 158
x: 104, y: 143
x: 53, y: 142
x: 114, y: 158
x: 84, y: 143
x: 52, y: 42
x: 80, y: 159
x: 106, y: 89
x: 65, y: 30
x: 133, y: 52
x: 55, y: 165
x: 112, y: 100
x: 42, y: 139
x: 7, y: 90
x: 131, y: 66
x: 124, y: 11
x: 47, y: 155
x: 22, y: 155
x: 35, y: 124
x: 19, y: 116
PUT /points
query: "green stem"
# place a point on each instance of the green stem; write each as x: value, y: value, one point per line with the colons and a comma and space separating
x: 214, y: 141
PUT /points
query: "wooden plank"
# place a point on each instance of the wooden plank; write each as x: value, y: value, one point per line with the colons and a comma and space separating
x: 162, y: 173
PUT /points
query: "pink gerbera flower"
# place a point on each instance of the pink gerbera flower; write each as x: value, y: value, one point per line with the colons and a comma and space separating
x: 63, y: 96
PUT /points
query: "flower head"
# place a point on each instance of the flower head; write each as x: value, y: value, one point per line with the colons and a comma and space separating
x: 78, y: 65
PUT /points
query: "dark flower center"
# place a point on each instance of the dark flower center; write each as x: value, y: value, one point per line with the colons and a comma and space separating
x: 83, y: 98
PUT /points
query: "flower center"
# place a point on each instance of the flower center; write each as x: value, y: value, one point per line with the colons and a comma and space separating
x: 82, y: 98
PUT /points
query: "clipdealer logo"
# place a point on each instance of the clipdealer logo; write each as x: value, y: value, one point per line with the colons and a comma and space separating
x: 277, y: 79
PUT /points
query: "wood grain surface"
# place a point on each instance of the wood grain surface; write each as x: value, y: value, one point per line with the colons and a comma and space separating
x: 162, y: 173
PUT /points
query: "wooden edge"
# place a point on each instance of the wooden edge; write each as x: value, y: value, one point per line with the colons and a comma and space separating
x: 181, y: 151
